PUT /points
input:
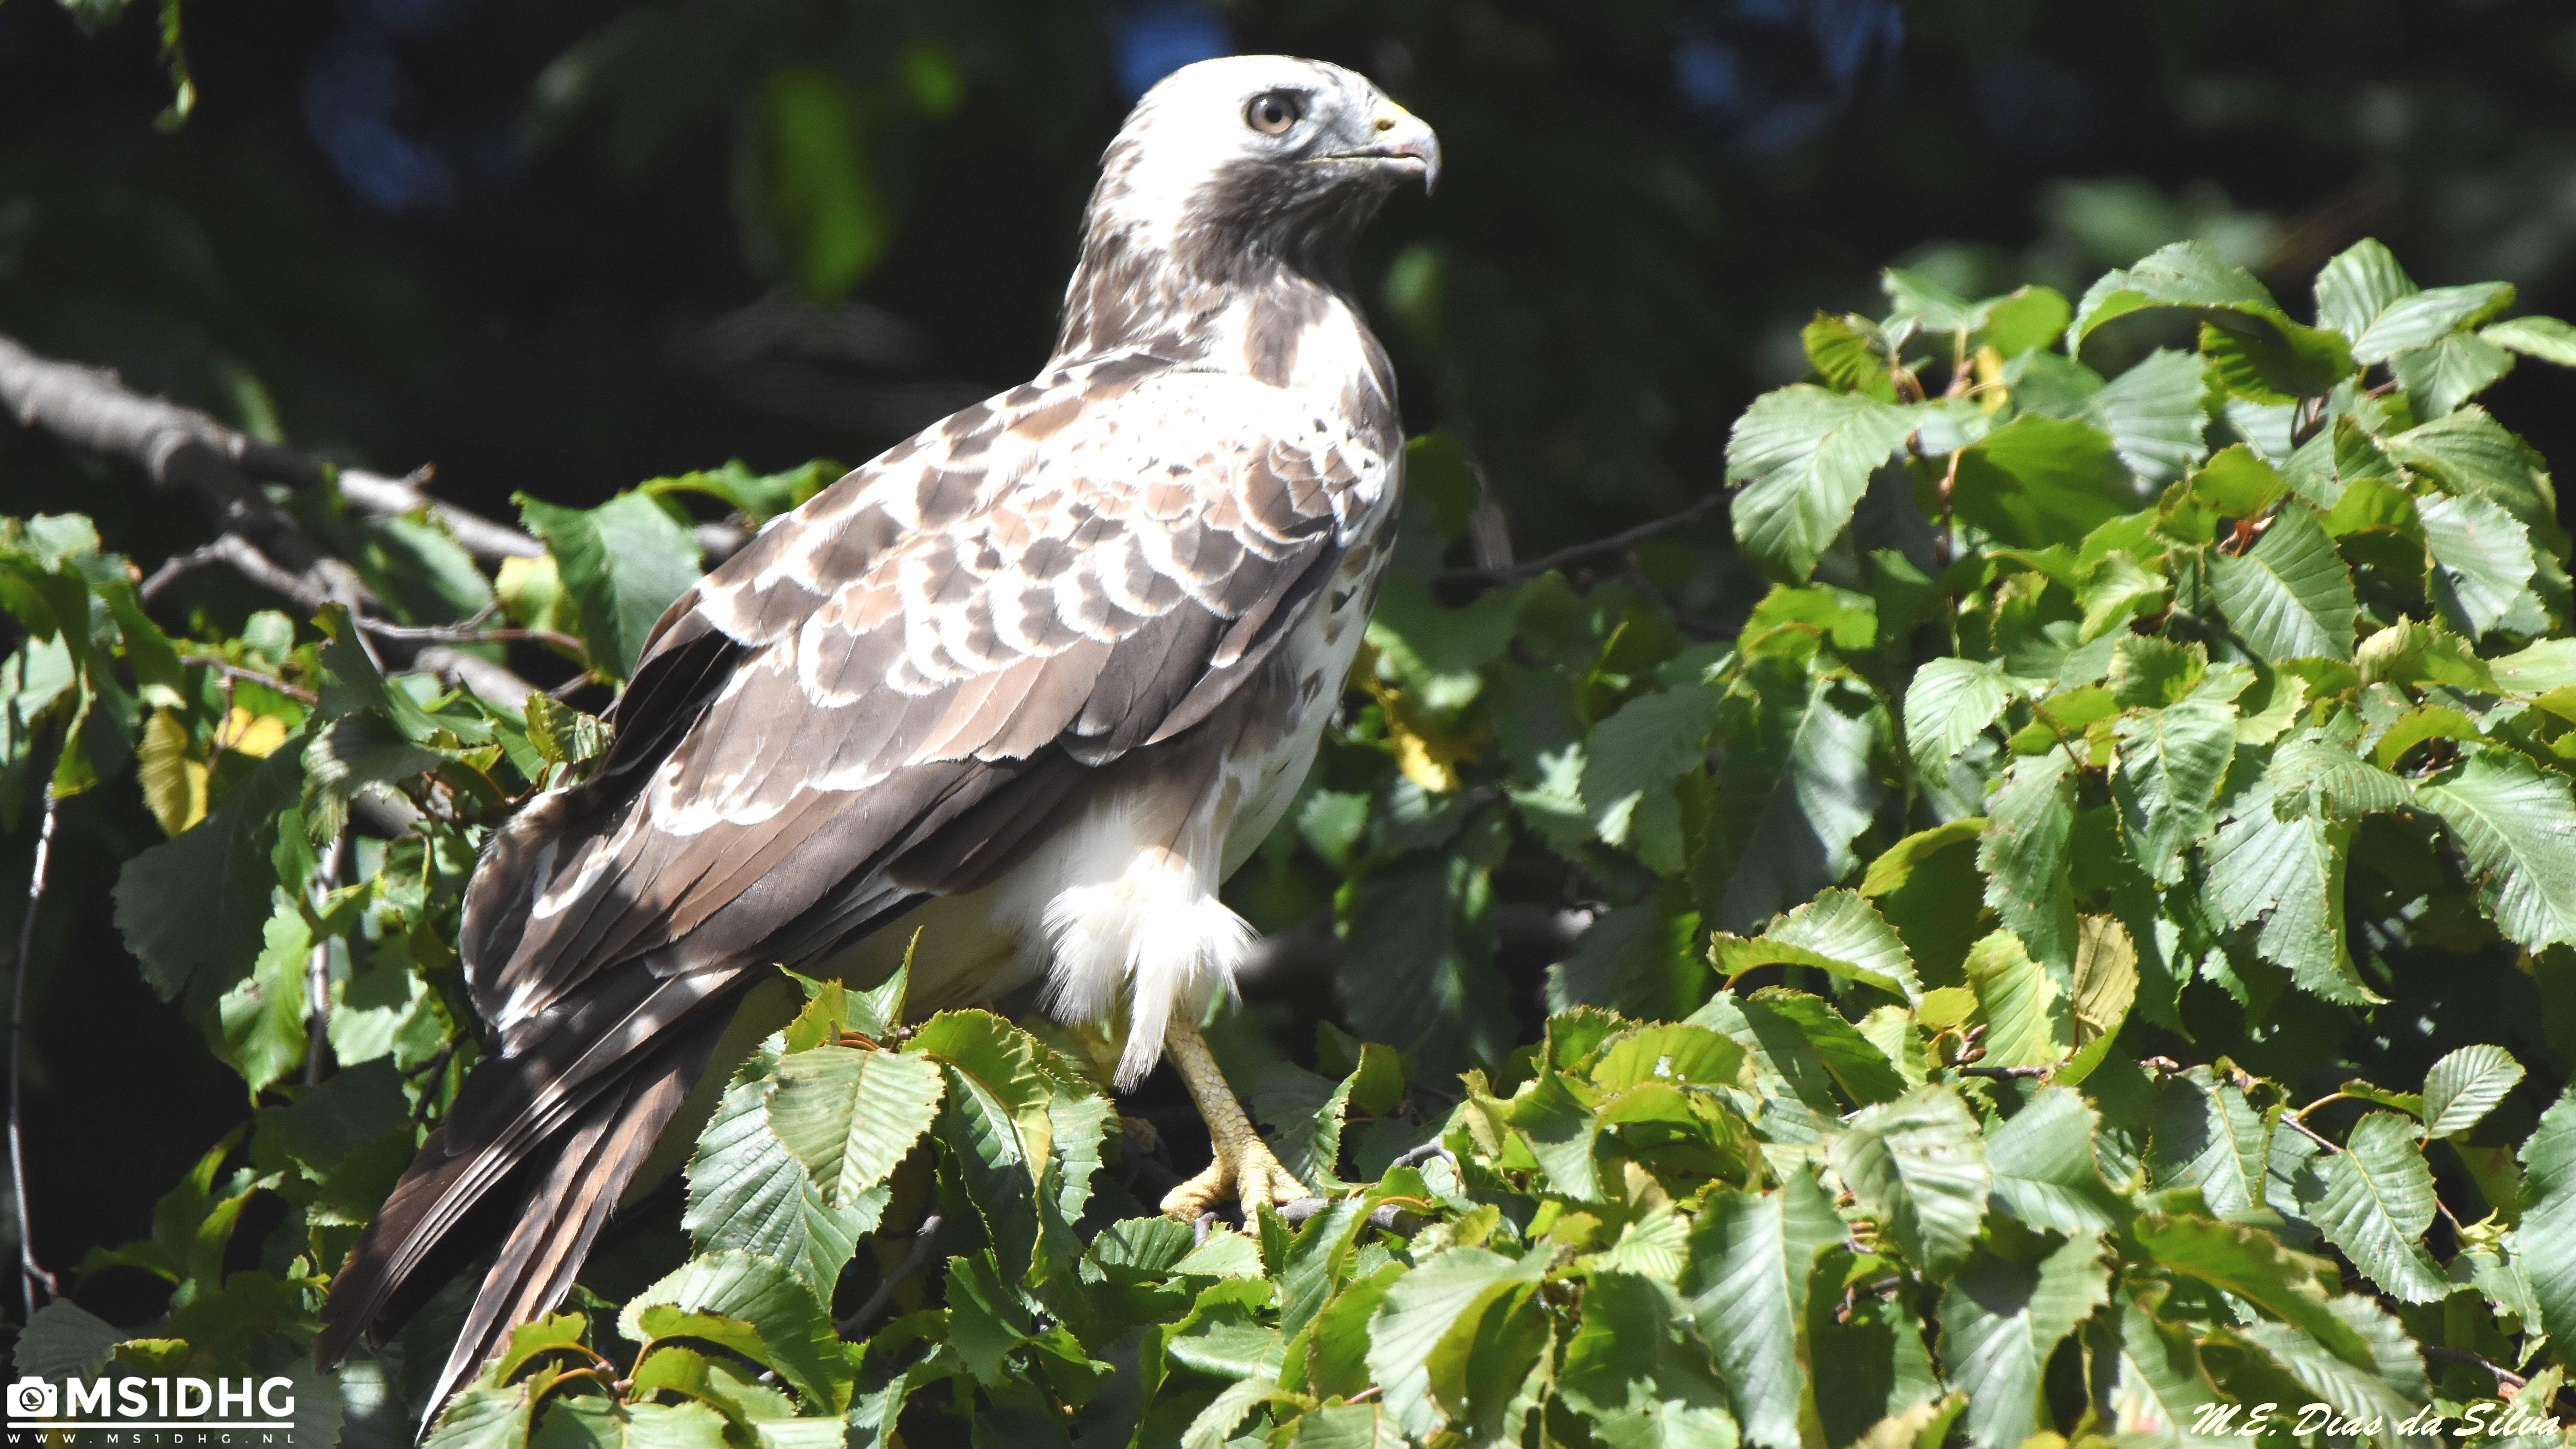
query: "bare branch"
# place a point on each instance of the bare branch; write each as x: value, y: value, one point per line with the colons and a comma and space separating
x: 317, y: 970
x: 31, y: 1274
x: 492, y: 681
x: 373, y: 493
x: 237, y: 553
x: 923, y: 1238
x: 1532, y: 568
x: 177, y: 447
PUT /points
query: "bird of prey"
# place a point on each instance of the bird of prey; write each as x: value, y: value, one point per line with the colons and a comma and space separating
x: 1033, y: 681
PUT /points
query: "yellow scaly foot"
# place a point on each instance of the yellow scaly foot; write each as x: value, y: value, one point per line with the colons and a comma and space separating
x: 1245, y: 1168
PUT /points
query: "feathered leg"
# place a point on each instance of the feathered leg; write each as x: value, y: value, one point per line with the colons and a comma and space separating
x: 1244, y: 1167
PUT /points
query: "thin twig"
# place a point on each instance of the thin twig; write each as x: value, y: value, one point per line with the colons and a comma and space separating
x: 252, y: 676
x: 31, y: 1274
x: 1385, y: 1215
x: 2303, y: 1130
x: 317, y: 969
x: 1532, y: 568
x: 464, y: 634
x: 923, y: 1239
x: 1415, y: 1157
x: 2442, y: 1353
x: 2001, y: 1074
x: 1946, y: 543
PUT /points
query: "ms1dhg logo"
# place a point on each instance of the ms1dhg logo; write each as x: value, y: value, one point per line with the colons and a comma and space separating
x: 153, y: 1411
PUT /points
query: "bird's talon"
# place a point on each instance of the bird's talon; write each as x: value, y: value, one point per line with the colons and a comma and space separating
x: 1254, y: 1176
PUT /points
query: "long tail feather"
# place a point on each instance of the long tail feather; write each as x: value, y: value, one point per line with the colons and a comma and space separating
x: 535, y: 1155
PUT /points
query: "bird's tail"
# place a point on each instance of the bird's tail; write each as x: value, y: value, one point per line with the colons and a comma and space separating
x: 534, y: 1156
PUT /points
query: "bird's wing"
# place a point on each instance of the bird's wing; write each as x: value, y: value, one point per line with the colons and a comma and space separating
x: 941, y: 642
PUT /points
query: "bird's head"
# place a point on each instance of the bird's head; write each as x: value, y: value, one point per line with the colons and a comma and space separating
x: 1253, y: 158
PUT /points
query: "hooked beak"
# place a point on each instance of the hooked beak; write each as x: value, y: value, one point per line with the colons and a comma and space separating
x: 1401, y: 143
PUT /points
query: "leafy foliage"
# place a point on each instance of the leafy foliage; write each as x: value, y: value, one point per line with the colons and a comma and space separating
x: 2118, y: 751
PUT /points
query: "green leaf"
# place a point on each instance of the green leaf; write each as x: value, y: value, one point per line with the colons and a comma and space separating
x: 2158, y: 1384
x: 64, y: 1340
x: 1838, y: 932
x: 2209, y: 1137
x: 1930, y: 306
x: 623, y: 563
x: 2029, y: 1022
x: 587, y: 1423
x: 2516, y: 831
x: 1949, y: 703
x: 1669, y: 1052
x: 1745, y: 1291
x: 2352, y: 1390
x: 1632, y: 1369
x: 1420, y: 972
x: 2238, y: 482
x: 2277, y: 862
x: 2172, y: 761
x: 2473, y: 456
x: 2546, y: 338
x: 2045, y: 1172
x: 2544, y: 1241
x: 2002, y: 1317
x: 2361, y: 282
x: 201, y: 900
x: 1918, y: 1165
x: 1855, y: 1063
x: 1216, y: 1423
x: 2253, y: 1264
x: 1424, y: 1307
x: 2451, y: 371
x: 487, y: 1416
x: 986, y: 1318
x: 2290, y: 595
x: 1803, y: 456
x: 1348, y: 1426
x: 2027, y: 317
x: 1561, y: 1130
x: 1850, y: 353
x: 1649, y: 743
x: 850, y: 1115
x: 2039, y: 480
x: 2024, y: 854
x: 2279, y: 364
x: 2482, y: 561
x: 2417, y: 319
x: 748, y: 1192
x: 1798, y: 820
x: 2374, y: 1200
x: 2465, y: 1085
x: 2156, y: 413
x: 262, y: 1016
x: 753, y: 1306
x: 758, y: 497
x: 2185, y: 274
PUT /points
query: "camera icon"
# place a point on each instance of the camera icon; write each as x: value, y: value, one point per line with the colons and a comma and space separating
x: 31, y: 1399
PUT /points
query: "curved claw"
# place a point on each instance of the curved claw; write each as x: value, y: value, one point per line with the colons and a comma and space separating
x: 1248, y: 1174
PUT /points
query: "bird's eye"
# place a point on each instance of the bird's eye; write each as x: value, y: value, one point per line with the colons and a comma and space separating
x: 1274, y: 112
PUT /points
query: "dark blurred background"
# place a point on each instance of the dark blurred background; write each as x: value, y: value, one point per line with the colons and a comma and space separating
x: 560, y: 246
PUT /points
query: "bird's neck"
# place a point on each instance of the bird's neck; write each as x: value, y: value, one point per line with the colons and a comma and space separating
x: 1203, y: 300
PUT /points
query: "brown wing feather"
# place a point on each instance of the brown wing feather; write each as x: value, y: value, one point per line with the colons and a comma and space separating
x: 1094, y: 589
x: 888, y: 693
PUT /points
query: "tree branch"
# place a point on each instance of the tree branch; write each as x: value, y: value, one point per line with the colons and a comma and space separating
x: 31, y: 1274
x: 1532, y: 568
x: 177, y: 447
x: 923, y: 1238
